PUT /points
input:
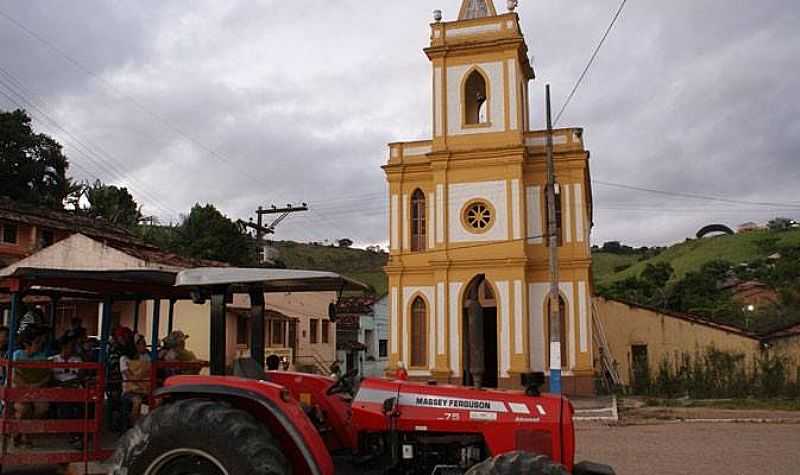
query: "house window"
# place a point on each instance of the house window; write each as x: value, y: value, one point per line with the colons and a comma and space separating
x: 46, y: 238
x: 8, y: 233
x: 559, y: 228
x: 383, y: 348
x: 242, y: 329
x: 277, y: 332
x: 562, y: 330
x: 418, y: 240
x: 419, y: 320
x: 475, y: 100
x: 326, y: 330
x: 313, y: 330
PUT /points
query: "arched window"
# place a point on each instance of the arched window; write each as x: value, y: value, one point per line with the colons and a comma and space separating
x: 475, y: 99
x: 562, y: 333
x: 418, y: 234
x: 419, y: 345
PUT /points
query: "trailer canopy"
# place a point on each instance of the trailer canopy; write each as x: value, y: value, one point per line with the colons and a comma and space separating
x: 269, y: 280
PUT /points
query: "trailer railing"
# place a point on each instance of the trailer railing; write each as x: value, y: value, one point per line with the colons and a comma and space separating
x: 88, y: 392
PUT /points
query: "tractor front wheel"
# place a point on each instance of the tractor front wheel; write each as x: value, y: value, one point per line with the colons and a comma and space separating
x: 199, y: 437
x: 512, y: 463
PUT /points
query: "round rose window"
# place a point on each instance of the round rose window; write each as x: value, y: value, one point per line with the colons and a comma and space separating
x: 478, y: 216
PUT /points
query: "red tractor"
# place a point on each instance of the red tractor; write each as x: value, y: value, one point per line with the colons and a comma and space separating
x: 274, y: 422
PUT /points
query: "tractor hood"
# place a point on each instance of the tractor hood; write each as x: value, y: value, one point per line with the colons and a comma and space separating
x: 508, y: 420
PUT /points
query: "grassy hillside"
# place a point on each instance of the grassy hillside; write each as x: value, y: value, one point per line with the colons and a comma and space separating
x: 605, y: 263
x: 364, y: 266
x: 691, y: 255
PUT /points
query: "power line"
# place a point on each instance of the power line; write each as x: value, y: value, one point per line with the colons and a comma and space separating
x: 101, y: 162
x: 77, y: 64
x: 591, y: 60
x: 694, y: 195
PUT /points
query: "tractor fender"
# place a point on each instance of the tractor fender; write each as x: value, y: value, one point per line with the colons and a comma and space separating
x: 278, y: 412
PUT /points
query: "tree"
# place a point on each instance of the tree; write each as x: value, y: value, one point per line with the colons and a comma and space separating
x: 32, y: 166
x: 779, y: 224
x: 208, y: 234
x: 344, y: 242
x: 115, y: 205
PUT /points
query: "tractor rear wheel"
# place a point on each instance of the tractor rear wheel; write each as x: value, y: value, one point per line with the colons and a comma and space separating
x: 199, y: 437
x: 512, y: 463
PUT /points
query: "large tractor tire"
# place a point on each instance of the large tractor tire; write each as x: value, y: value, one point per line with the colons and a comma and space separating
x: 199, y: 437
x: 518, y: 463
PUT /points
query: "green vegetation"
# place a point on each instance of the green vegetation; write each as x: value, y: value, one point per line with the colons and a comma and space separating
x: 732, y: 403
x: 692, y: 254
x: 720, y: 374
x: 33, y: 167
x: 365, y: 266
x: 699, y: 277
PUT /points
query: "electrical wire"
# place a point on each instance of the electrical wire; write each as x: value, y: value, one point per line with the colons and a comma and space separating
x: 104, y: 164
x: 591, y: 61
x: 694, y: 195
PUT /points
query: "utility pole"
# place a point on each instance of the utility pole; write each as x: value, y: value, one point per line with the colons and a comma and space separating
x: 259, y: 226
x: 552, y: 246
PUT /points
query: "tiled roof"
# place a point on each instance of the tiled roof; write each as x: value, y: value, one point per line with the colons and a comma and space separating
x: 63, y: 220
x: 359, y: 305
x: 97, y: 229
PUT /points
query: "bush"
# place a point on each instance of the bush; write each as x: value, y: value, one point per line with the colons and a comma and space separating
x: 719, y: 374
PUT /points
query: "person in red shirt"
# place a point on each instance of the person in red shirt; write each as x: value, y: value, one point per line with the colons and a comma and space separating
x: 401, y: 373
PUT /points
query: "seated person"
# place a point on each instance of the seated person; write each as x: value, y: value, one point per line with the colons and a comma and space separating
x: 32, y: 340
x: 175, y: 350
x: 135, y: 369
x: 68, y: 377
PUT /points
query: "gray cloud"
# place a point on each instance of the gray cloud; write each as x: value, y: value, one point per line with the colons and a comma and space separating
x: 296, y: 101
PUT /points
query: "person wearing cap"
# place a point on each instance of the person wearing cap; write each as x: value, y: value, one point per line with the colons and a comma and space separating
x: 175, y: 350
x: 175, y: 344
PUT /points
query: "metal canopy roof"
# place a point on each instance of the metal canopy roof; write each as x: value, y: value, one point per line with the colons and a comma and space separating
x: 140, y: 283
x: 271, y: 280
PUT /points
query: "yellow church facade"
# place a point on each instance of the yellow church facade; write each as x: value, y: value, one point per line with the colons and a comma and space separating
x: 468, y: 275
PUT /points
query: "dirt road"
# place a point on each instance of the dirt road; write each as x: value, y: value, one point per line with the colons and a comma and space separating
x: 693, y: 448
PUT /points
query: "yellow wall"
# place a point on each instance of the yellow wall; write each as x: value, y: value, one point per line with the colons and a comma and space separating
x: 789, y: 348
x: 665, y: 336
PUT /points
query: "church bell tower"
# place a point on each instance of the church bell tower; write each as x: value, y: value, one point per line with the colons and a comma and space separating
x: 468, y: 259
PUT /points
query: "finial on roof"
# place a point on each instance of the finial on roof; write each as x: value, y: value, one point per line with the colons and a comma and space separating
x: 512, y: 5
x: 476, y: 9
x: 437, y: 16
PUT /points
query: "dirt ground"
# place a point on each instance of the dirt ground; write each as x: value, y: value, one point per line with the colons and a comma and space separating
x: 680, y: 448
x: 639, y: 447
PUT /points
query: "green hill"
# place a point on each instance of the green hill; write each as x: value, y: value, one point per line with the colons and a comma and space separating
x: 692, y: 254
x: 362, y: 265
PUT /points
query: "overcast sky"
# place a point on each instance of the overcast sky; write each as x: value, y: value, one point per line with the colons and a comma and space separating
x: 241, y: 103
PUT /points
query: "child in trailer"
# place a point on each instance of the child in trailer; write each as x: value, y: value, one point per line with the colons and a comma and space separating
x: 32, y: 341
x: 69, y: 378
x: 135, y: 369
